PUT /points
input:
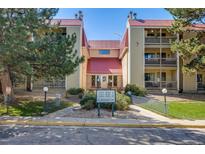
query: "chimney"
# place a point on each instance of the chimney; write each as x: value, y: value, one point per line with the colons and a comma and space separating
x: 132, y: 16
x: 79, y: 15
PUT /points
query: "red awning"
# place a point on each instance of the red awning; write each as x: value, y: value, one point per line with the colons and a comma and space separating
x: 104, y: 66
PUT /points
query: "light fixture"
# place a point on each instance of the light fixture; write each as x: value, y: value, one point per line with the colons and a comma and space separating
x: 45, y: 89
x: 164, y: 90
x: 8, y: 90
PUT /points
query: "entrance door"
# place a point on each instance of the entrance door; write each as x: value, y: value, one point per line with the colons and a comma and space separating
x: 104, y: 81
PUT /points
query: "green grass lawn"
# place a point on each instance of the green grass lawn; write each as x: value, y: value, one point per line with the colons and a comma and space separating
x: 32, y: 108
x: 182, y: 109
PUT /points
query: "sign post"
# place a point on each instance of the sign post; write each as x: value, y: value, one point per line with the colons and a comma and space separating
x: 105, y: 96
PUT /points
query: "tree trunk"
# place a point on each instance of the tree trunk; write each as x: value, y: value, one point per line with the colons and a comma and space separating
x: 7, y: 84
x: 29, y: 86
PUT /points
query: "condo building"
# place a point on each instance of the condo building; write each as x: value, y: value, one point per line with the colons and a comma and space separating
x: 143, y: 57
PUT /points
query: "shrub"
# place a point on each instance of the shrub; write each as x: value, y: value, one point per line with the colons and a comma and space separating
x: 80, y: 95
x: 137, y: 91
x: 88, y: 96
x: 88, y: 105
x: 89, y: 102
x: 74, y: 91
x: 1, y: 98
x: 122, y: 102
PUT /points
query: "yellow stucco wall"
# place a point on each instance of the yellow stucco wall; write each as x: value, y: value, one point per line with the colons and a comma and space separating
x: 189, y: 82
x: 73, y: 80
x: 136, y: 56
x: 124, y: 62
x: 83, y: 71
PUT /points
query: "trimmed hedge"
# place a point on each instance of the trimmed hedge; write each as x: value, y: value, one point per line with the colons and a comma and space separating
x: 74, y: 91
x: 89, y: 102
x: 137, y: 91
x: 88, y: 98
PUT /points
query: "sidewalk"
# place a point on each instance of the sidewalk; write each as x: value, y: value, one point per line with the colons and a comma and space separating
x: 154, y: 121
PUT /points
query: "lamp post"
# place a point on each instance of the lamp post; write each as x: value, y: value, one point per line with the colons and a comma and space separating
x: 8, y: 93
x: 45, y: 89
x: 164, y: 91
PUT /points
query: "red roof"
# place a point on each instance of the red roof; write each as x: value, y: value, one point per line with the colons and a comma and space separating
x: 151, y: 23
x: 162, y: 23
x: 104, y: 66
x: 104, y: 44
x: 67, y: 22
x: 197, y: 27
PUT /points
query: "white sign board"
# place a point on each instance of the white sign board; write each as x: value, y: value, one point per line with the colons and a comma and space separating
x: 105, y: 96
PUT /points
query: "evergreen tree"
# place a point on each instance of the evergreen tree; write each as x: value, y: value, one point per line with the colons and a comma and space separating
x: 30, y: 46
x: 191, y: 50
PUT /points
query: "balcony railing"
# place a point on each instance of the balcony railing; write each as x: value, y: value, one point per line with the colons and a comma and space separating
x: 152, y: 85
x: 157, y: 40
x: 169, y: 61
x: 152, y: 40
x: 200, y: 86
x: 164, y: 61
x: 154, y: 61
x: 168, y: 40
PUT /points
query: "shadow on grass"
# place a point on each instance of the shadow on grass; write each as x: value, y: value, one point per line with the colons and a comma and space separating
x: 32, y: 108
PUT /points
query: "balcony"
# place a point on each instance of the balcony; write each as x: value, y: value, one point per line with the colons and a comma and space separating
x: 200, y: 86
x: 156, y: 40
x: 170, y: 62
x: 152, y: 85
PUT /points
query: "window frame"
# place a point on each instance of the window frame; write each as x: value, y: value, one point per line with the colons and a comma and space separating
x: 104, y: 52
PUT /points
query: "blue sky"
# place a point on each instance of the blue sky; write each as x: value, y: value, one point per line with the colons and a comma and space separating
x: 103, y: 24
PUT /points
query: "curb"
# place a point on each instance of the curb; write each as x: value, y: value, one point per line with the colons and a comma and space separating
x: 87, y: 124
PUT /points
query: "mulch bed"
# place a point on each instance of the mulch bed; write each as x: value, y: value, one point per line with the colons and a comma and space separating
x: 81, y: 113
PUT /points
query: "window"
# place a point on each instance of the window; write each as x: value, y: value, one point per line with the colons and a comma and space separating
x: 199, y: 78
x: 115, y: 81
x: 149, y: 77
x: 104, y: 52
x: 163, y: 76
x: 93, y: 80
x: 149, y: 55
x: 163, y: 55
x: 163, y: 34
x: 150, y: 34
x: 63, y: 31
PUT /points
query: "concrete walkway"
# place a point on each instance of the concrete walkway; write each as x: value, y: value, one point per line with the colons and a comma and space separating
x: 154, y: 120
